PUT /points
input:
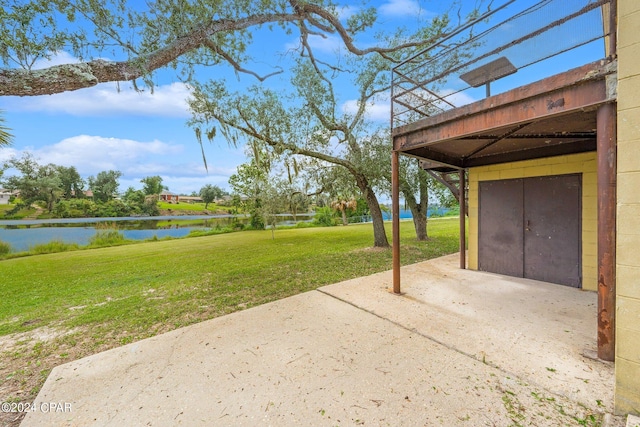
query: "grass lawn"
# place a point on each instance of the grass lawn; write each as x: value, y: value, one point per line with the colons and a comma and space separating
x: 90, y: 300
x: 19, y: 215
x: 197, y: 207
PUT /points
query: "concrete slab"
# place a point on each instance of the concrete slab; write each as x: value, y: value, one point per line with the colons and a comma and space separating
x: 543, y: 333
x: 314, y: 359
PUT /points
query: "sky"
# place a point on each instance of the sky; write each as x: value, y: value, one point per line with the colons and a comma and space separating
x: 113, y: 127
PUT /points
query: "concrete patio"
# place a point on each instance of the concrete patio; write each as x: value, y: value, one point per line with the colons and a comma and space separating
x: 457, y: 348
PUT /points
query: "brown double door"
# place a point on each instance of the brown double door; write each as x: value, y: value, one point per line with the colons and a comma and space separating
x: 531, y: 228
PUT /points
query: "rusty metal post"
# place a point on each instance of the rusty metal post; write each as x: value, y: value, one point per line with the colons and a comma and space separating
x: 463, y: 209
x: 606, y: 122
x: 395, y: 212
x: 613, y: 29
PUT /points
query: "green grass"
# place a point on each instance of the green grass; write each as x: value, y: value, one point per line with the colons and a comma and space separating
x: 147, y: 287
x: 53, y: 246
x: 183, y: 206
x: 22, y: 213
x: 4, y: 208
x: 87, y: 301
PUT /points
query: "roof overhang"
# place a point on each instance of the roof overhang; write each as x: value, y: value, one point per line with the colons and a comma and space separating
x: 550, y: 117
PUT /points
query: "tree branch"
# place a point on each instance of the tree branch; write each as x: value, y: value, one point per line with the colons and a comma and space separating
x: 252, y: 132
x: 69, y: 77
x: 346, y: 37
x: 216, y: 49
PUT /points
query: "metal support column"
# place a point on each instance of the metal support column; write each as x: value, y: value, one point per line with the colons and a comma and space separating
x: 606, y: 119
x: 395, y: 211
x: 463, y: 209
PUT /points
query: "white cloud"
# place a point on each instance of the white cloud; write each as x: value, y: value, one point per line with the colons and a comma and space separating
x: 6, y: 153
x: 106, y: 99
x: 398, y: 8
x: 378, y: 111
x: 456, y: 98
x: 57, y: 58
x: 346, y: 12
x: 328, y: 44
x: 92, y: 154
x: 136, y: 160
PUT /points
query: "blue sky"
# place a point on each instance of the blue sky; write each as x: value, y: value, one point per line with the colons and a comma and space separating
x: 111, y: 126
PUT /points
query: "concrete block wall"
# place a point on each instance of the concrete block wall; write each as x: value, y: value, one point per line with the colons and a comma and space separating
x: 627, y: 363
x: 584, y: 163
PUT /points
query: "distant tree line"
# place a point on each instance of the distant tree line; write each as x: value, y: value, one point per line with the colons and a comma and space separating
x: 64, y: 193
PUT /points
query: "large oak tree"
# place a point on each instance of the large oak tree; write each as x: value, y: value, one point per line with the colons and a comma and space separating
x: 311, y: 120
x: 120, y: 40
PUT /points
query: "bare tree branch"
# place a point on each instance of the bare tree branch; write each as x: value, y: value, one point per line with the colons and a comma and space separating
x: 313, y: 9
x: 215, y: 48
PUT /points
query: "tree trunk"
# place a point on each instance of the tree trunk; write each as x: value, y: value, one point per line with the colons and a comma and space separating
x: 379, y: 233
x: 344, y: 216
x: 420, y: 225
x: 419, y: 216
x: 418, y: 209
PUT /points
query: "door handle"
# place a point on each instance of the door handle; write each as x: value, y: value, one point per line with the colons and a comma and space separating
x: 528, y: 227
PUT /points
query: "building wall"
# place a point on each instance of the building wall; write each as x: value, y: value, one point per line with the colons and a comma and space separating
x: 584, y: 163
x: 627, y: 364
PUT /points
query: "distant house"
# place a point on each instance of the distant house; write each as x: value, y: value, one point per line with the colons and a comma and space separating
x: 4, y: 196
x: 168, y: 196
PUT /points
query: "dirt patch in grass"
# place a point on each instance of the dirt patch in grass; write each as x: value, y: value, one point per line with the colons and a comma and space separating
x: 371, y: 249
x: 9, y: 342
x: 27, y: 358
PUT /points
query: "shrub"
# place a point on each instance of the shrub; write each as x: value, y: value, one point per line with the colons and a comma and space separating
x: 107, y: 234
x: 75, y: 208
x: 5, y: 248
x: 62, y: 209
x: 324, y: 217
x: 305, y: 224
x: 256, y: 221
x: 150, y: 205
x: 113, y: 208
x: 236, y: 224
x: 53, y: 246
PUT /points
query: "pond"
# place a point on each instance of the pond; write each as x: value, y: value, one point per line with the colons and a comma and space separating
x: 23, y: 234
